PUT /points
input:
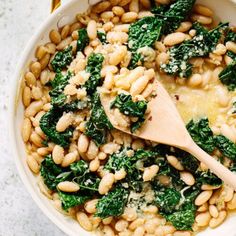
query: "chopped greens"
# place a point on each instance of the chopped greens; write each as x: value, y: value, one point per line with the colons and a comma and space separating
x: 48, y: 125
x: 113, y: 203
x: 183, y: 219
x: 202, y: 134
x: 167, y: 199
x: 94, y: 67
x: 177, y: 13
x: 228, y: 76
x: 102, y: 37
x: 121, y: 160
x: 78, y: 172
x: 129, y: 108
x: 98, y: 123
x: 207, y: 177
x: 144, y: 32
x: 83, y: 40
x: 177, y: 206
x: 52, y: 174
x: 136, y: 60
x: 199, y: 46
x: 226, y: 146
x: 69, y: 200
x: 60, y: 81
x: 231, y: 36
x: 62, y: 59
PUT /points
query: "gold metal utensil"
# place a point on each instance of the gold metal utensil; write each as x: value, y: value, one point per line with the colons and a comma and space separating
x: 55, y: 4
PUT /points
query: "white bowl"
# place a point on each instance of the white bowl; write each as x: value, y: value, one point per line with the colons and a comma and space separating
x: 224, y: 9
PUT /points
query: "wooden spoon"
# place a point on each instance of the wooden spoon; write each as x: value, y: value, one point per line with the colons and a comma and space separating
x: 164, y: 125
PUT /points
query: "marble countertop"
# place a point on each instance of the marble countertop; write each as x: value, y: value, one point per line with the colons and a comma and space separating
x: 19, y: 215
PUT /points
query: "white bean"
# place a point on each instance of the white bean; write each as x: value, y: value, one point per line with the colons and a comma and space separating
x: 174, y: 38
x: 68, y: 186
x: 106, y: 183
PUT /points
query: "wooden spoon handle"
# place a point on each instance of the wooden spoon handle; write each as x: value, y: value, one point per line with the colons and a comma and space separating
x: 215, y: 166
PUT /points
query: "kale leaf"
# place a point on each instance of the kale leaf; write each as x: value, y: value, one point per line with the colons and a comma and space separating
x: 176, y: 207
x: 228, y: 76
x: 202, y: 134
x: 78, y: 172
x: 226, y: 146
x: 62, y: 59
x: 52, y: 174
x: 69, y: 200
x: 48, y: 125
x: 79, y: 168
x: 94, y: 67
x: 121, y: 160
x: 231, y: 36
x: 129, y: 108
x: 136, y: 60
x: 201, y: 45
x: 102, y: 37
x: 189, y: 162
x: 177, y: 13
x: 207, y: 177
x: 98, y: 124
x: 83, y: 39
x: 167, y: 199
x: 144, y: 32
x: 183, y: 219
x: 113, y: 203
x: 60, y: 81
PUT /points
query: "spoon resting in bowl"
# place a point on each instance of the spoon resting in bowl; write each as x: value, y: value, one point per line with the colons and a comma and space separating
x: 164, y: 125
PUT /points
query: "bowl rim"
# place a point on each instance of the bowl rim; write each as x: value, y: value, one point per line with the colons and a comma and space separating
x: 13, y: 103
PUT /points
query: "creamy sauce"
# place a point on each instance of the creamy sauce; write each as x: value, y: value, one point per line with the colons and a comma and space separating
x: 194, y: 103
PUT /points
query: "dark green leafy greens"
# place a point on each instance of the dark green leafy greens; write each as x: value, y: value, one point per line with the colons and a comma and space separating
x: 207, y: 177
x: 60, y: 81
x: 113, y: 203
x: 136, y: 60
x: 177, y: 208
x: 176, y: 13
x: 94, y: 67
x: 142, y: 33
x: 52, y: 174
x: 102, y: 37
x: 48, y: 125
x: 228, y: 76
x: 126, y: 106
x: 231, y: 36
x: 202, y: 134
x: 201, y: 45
x: 78, y: 172
x: 62, y: 59
x: 183, y: 219
x: 98, y: 123
x: 226, y: 146
x: 83, y: 39
x: 121, y: 160
x: 69, y: 200
x: 167, y: 199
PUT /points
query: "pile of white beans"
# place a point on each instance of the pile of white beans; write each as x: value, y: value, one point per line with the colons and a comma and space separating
x: 113, y: 18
